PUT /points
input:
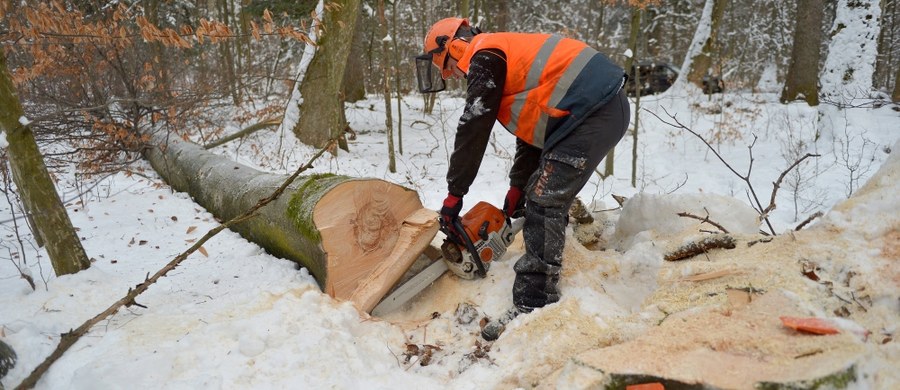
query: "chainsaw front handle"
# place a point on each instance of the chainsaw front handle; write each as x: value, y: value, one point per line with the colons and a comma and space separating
x: 470, y: 246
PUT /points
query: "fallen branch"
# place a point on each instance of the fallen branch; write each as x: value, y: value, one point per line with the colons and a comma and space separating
x: 244, y: 132
x: 67, y: 340
x: 701, y: 246
x: 704, y: 219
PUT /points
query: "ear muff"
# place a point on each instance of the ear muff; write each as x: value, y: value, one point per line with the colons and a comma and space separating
x: 457, y: 48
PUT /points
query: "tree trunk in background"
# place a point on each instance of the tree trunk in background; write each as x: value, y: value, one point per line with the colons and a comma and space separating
x: 885, y: 40
x: 636, y: 14
x: 227, y: 57
x: 849, y: 67
x: 35, y: 186
x: 597, y: 28
x: 348, y: 232
x: 896, y: 95
x: 396, y: 65
x: 464, y: 9
x: 320, y: 118
x: 803, y: 73
x: 386, y: 80
x: 498, y: 19
x: 697, y: 45
x: 702, y: 62
x: 609, y: 167
x: 354, y: 84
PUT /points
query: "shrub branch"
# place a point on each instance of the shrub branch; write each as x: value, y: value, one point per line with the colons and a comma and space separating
x: 754, y: 198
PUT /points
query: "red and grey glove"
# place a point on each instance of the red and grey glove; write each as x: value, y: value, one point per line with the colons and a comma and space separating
x: 514, y: 205
x: 449, y: 213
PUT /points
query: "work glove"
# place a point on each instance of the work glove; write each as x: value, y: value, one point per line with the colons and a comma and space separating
x: 514, y: 205
x: 449, y: 213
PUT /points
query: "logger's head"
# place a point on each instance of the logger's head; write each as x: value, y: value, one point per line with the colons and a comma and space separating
x: 447, y: 39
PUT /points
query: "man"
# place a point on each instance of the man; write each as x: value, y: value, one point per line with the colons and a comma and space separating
x: 565, y: 104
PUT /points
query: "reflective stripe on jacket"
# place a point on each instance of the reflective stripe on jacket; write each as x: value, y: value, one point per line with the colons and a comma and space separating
x: 552, y: 83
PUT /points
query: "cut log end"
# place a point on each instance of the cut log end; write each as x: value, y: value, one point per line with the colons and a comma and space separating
x: 369, y: 229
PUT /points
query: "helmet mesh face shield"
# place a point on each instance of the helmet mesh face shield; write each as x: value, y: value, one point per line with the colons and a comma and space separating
x: 428, y: 75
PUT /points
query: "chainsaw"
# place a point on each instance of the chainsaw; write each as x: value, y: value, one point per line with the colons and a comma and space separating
x: 476, y: 239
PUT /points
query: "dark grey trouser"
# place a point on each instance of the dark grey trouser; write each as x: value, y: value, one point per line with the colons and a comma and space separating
x: 563, y: 171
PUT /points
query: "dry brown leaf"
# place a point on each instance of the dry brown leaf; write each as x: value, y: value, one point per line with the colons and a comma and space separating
x: 203, y: 251
x: 191, y: 229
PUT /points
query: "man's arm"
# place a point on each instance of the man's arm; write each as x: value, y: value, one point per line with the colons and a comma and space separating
x: 487, y: 74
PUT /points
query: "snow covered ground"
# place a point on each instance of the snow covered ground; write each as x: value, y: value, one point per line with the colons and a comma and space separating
x: 240, y: 318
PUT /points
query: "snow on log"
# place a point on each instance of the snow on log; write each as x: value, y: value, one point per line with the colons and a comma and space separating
x: 345, y: 230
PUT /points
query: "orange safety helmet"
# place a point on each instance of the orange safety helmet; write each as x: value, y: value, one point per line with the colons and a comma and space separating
x: 440, y: 41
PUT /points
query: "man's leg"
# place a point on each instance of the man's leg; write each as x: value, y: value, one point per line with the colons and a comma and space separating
x: 564, y: 170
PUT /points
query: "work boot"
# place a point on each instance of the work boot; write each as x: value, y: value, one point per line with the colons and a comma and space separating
x: 495, y: 327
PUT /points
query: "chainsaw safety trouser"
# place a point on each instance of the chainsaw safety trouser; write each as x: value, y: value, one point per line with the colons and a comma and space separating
x: 563, y: 171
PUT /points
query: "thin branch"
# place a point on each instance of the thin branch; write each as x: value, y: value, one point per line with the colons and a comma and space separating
x: 745, y: 178
x: 803, y: 224
x: 69, y: 339
x: 704, y: 219
x: 777, y: 183
x: 244, y: 132
x: 679, y: 125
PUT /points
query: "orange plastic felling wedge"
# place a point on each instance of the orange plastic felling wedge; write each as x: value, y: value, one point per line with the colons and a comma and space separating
x: 809, y: 325
x: 646, y: 386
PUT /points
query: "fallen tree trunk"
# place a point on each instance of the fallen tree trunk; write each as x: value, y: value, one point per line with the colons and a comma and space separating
x: 342, y: 229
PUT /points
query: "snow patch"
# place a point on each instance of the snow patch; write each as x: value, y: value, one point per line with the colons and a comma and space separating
x: 647, y: 217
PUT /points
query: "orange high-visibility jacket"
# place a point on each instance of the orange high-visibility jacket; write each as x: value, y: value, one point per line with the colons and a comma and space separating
x: 552, y: 83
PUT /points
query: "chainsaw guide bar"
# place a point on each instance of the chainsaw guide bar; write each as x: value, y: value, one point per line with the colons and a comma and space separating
x: 486, y: 234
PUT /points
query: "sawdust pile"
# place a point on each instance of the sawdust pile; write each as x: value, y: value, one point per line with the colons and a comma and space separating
x: 627, y: 316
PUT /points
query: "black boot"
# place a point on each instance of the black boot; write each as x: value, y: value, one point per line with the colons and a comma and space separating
x: 495, y: 327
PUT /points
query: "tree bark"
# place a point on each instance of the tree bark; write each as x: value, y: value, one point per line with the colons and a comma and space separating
x: 636, y: 14
x: 320, y: 119
x: 37, y: 190
x: 702, y: 62
x: 386, y: 86
x: 341, y: 228
x: 354, y: 84
x: 896, y: 95
x: 803, y: 73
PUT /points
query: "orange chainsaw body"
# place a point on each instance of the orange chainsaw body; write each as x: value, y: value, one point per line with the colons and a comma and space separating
x: 488, y: 234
